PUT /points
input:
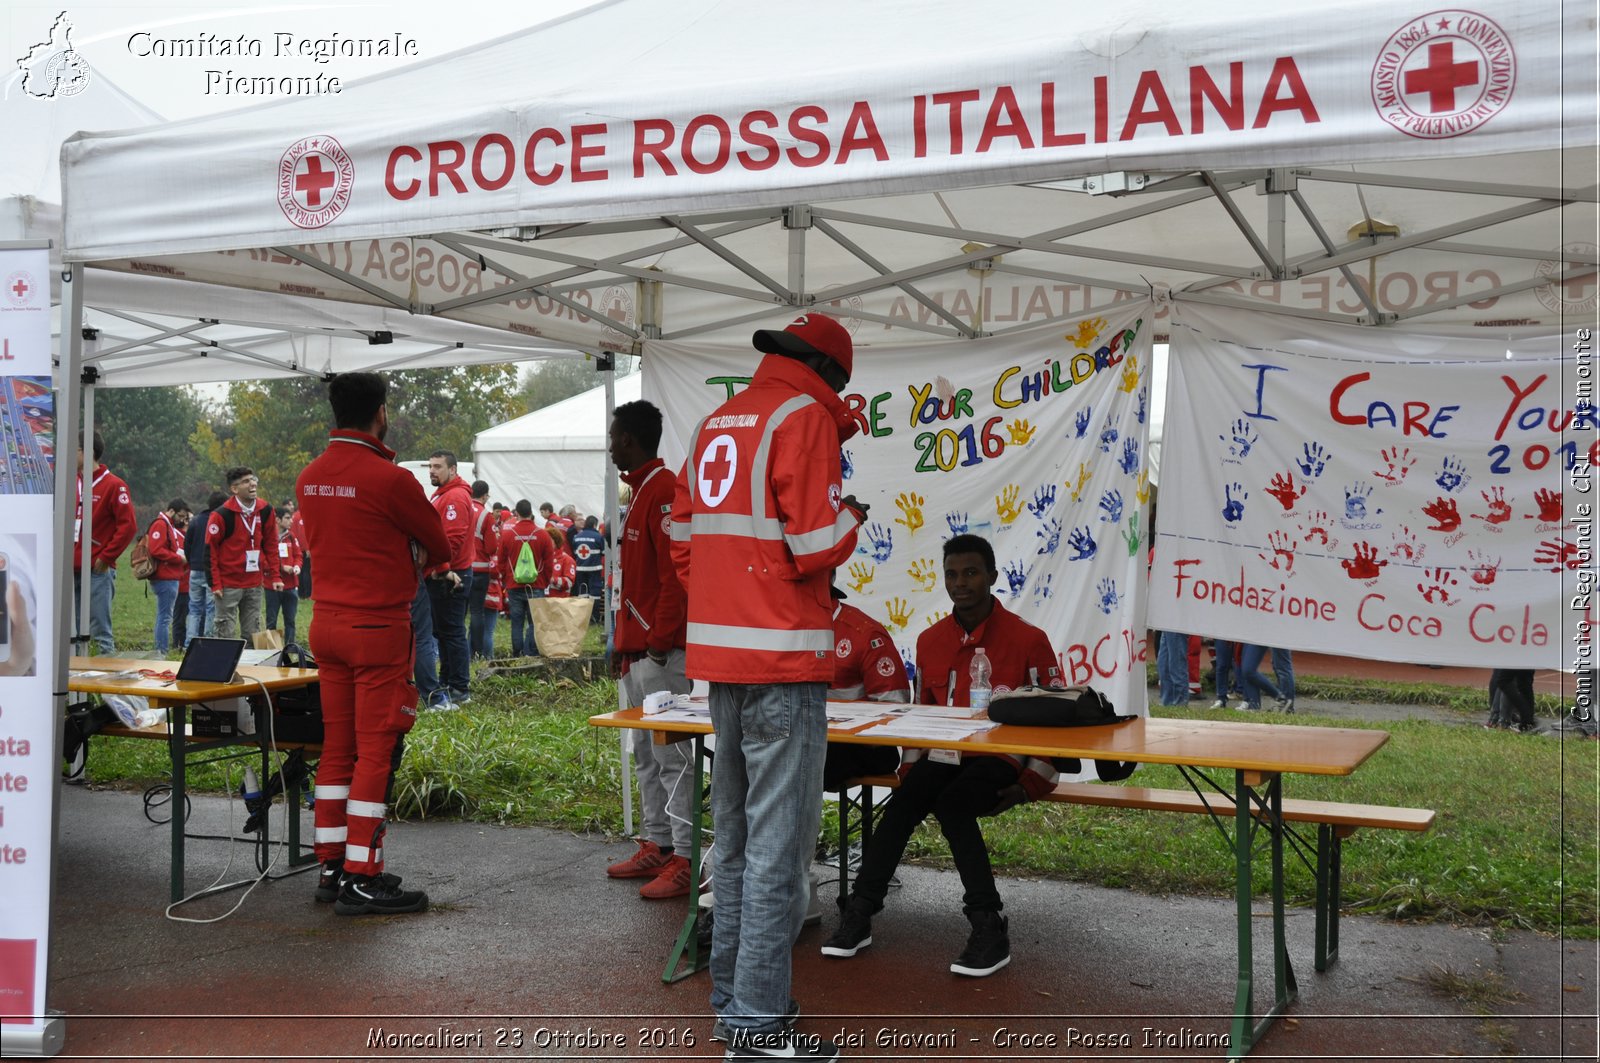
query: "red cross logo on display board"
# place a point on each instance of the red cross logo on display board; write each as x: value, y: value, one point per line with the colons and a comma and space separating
x: 315, y: 179
x: 19, y: 288
x: 717, y: 464
x: 1444, y: 74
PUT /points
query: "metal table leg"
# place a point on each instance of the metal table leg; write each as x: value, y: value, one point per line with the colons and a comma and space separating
x: 687, y: 947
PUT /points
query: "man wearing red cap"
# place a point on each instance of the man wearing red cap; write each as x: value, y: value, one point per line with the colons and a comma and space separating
x: 758, y: 525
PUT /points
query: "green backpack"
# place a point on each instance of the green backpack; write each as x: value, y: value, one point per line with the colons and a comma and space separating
x: 526, y: 569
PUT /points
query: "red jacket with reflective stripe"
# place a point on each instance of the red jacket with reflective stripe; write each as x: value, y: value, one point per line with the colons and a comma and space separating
x: 453, y: 501
x: 866, y: 663
x: 166, y: 548
x: 111, y: 512
x: 757, y: 530
x: 485, y: 540
x: 512, y: 536
x: 650, y: 615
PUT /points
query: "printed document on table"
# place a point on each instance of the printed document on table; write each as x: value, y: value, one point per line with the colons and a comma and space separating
x: 940, y: 729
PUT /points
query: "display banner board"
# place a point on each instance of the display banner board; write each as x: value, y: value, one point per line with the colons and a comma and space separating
x: 27, y: 748
x: 1374, y: 492
x: 1036, y: 441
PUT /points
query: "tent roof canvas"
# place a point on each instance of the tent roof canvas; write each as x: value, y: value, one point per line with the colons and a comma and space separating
x: 576, y: 423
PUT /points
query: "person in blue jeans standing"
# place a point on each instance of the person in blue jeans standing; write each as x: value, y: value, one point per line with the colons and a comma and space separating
x: 1255, y: 684
x: 202, y: 606
x: 1172, y: 668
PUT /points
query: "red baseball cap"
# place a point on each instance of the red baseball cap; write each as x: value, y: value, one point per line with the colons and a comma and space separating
x: 810, y: 334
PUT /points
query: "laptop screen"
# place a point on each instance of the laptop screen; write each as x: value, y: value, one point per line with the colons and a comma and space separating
x: 210, y: 660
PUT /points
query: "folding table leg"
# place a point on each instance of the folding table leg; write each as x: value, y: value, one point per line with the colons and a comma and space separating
x: 687, y: 947
x: 1330, y: 852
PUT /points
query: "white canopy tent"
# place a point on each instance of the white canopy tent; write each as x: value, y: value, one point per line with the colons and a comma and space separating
x: 556, y: 454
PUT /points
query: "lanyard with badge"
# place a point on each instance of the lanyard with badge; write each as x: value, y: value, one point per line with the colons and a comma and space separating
x: 252, y: 553
x: 77, y: 522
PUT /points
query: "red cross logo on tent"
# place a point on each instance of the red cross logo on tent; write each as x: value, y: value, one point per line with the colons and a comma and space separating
x: 715, y: 472
x: 315, y: 178
x: 1576, y: 294
x: 1444, y: 74
x: 19, y: 288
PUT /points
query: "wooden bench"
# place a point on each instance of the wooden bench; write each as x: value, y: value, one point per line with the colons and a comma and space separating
x: 1335, y: 822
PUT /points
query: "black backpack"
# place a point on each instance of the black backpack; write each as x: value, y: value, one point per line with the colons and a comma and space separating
x: 1070, y: 707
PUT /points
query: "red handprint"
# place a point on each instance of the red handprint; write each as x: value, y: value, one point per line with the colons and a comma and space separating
x: 1436, y: 585
x: 1365, y: 564
x: 1559, y: 554
x: 1283, y: 549
x: 1446, y: 516
x: 1499, y: 508
x: 1399, y: 462
x: 1549, y: 503
x: 1483, y: 570
x: 1282, y: 488
x: 1405, y: 544
x: 1316, y: 527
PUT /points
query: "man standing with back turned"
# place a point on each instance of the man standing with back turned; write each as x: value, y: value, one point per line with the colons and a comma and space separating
x: 373, y: 532
x: 758, y: 526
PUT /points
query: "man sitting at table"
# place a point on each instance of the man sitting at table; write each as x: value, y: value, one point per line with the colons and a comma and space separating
x: 957, y: 788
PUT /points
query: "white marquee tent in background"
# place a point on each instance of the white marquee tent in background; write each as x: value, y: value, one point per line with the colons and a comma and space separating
x: 944, y: 180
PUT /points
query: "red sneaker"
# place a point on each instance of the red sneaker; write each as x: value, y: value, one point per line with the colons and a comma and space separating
x: 673, y: 881
x: 646, y: 863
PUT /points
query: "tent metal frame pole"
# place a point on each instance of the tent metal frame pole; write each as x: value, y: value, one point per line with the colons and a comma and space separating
x: 1271, y: 264
x: 1401, y: 243
x: 85, y: 487
x: 749, y: 269
x: 797, y: 221
x: 1251, y: 304
x: 343, y: 277
x: 1108, y: 306
x: 1444, y: 184
x: 1487, y: 251
x: 1350, y: 277
x: 164, y: 334
x: 1495, y: 293
x: 571, y: 304
x: 882, y: 270
x: 746, y: 216
x: 1074, y: 278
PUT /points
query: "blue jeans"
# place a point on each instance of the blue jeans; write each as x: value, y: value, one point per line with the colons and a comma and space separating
x: 1254, y: 683
x: 1172, y: 668
x: 450, y: 630
x: 766, y: 800
x: 287, y: 600
x: 102, y: 588
x: 480, y: 634
x: 425, y: 668
x: 1227, y: 674
x: 1283, y: 672
x: 517, y: 599
x: 202, y: 606
x: 166, y: 591
x: 592, y: 581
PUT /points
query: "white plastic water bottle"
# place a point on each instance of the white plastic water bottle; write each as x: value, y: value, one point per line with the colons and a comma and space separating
x: 251, y: 790
x: 980, y: 689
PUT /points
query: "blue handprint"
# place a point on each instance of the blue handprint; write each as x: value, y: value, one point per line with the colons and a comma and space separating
x: 1082, y: 543
x: 881, y: 540
x: 1453, y: 475
x: 1051, y: 534
x: 1242, y: 438
x: 1043, y: 499
x: 1108, y: 436
x: 847, y: 464
x: 1017, y: 577
x: 1355, y: 500
x: 1234, y: 495
x: 1111, y: 504
x: 1315, y: 460
x: 1080, y: 423
x: 1041, y: 589
x: 957, y: 523
x: 1129, y: 462
x: 1143, y: 410
x: 909, y: 659
x: 1108, y: 595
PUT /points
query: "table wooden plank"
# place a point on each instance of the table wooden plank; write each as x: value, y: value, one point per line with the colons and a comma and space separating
x: 172, y: 692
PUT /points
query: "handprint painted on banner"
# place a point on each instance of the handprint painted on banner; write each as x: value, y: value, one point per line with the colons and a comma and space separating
x: 910, y: 505
x: 1283, y: 489
x: 1131, y: 536
x: 1077, y: 485
x: 1043, y: 499
x: 936, y: 616
x: 1234, y: 495
x: 1315, y: 528
x: 1044, y: 588
x: 1082, y: 543
x: 1365, y: 564
x: 1130, y: 375
x: 1016, y: 577
x: 1239, y: 439
x: 1111, y: 507
x: 1088, y: 331
x: 880, y: 542
x: 1315, y: 459
x: 1397, y: 463
x: 924, y: 574
x: 899, y: 614
x: 1499, y: 508
x: 1446, y: 517
x: 1141, y: 489
x: 1005, y: 504
x: 1406, y: 547
x: 1452, y: 475
x: 1021, y: 432
x: 1436, y: 584
x: 1283, y: 549
x: 1108, y: 595
x: 1484, y: 570
x: 1051, y: 534
x: 1559, y: 554
x: 957, y: 523
x: 847, y: 464
x: 1130, y: 456
x: 1355, y: 501
x: 861, y: 574
x: 1108, y: 436
x: 1143, y: 409
x: 1551, y: 510
x: 1080, y: 423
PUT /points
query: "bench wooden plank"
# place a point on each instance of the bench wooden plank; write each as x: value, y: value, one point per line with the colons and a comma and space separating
x: 1336, y: 813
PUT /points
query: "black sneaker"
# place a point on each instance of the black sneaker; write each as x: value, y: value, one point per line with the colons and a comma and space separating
x: 719, y: 1029
x: 377, y: 895
x: 988, y: 948
x: 786, y: 1044
x: 853, y: 935
x: 331, y: 879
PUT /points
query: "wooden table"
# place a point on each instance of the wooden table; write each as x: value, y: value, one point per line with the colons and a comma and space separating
x: 177, y: 698
x: 1258, y: 754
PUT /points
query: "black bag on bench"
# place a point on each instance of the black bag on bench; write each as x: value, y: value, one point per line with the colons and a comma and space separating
x: 1072, y: 707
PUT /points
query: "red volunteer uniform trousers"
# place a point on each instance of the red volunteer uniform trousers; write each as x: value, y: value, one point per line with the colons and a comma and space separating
x: 369, y: 702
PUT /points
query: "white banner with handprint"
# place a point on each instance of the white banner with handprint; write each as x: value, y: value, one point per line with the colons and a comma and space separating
x: 1036, y: 441
x: 1374, y: 492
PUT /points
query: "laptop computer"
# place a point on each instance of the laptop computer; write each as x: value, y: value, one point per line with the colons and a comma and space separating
x: 209, y: 660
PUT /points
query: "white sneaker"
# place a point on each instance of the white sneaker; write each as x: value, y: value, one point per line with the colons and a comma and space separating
x: 1220, y: 703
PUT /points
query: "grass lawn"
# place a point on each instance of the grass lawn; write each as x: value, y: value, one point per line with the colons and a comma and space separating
x: 1514, y: 844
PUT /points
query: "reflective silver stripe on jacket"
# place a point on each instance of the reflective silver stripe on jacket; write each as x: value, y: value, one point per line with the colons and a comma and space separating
x: 815, y: 542
x: 760, y: 638
x: 757, y: 524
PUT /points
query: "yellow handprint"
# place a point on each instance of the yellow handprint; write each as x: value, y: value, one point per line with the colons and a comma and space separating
x: 899, y: 614
x: 1077, y: 487
x: 925, y: 575
x: 934, y: 618
x: 861, y: 574
x: 1021, y: 432
x: 1088, y: 331
x: 1005, y: 504
x: 911, y: 506
x: 1142, y: 490
x: 1130, y: 374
